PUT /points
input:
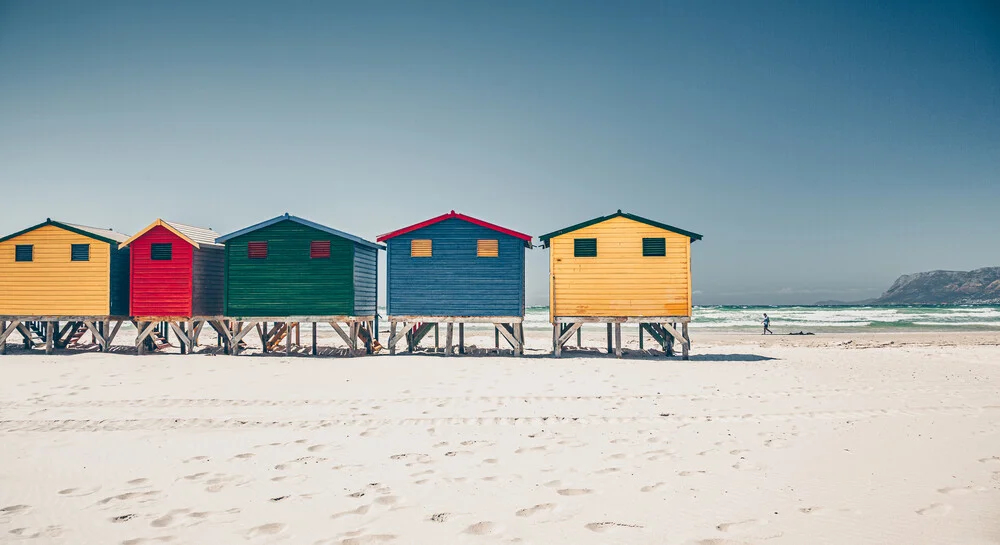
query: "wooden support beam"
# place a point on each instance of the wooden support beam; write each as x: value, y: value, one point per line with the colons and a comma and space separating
x: 507, y: 335
x: 437, y: 340
x: 609, y: 339
x: 642, y: 334
x: 355, y: 326
x: 110, y: 337
x: 25, y: 334
x: 343, y: 336
x: 8, y: 329
x: 196, y: 332
x: 461, y: 338
x: 618, y: 340
x: 579, y: 336
x: 496, y: 337
x: 50, y: 334
x: 447, y: 348
x: 241, y: 332
x: 556, y: 347
x: 392, y: 338
x: 98, y: 338
x: 298, y: 334
x: 519, y: 337
x: 314, y: 339
x: 3, y: 343
x: 181, y: 335
x: 686, y: 347
x: 288, y: 339
x: 573, y: 328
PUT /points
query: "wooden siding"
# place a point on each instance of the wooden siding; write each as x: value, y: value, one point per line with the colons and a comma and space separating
x: 207, y: 280
x: 51, y: 284
x: 365, y: 280
x: 454, y: 281
x: 620, y: 281
x: 288, y: 282
x: 161, y: 287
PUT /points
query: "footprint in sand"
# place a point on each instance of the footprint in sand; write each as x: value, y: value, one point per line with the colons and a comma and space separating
x: 39, y: 533
x: 372, y: 539
x: 958, y: 491
x: 144, y: 540
x: 362, y: 510
x: 440, y: 517
x: 574, y: 491
x: 79, y: 492
x: 531, y: 511
x: 305, y: 460
x: 244, y: 456
x: 992, y: 460
x: 605, y: 526
x: 484, y: 528
x: 935, y: 510
x: 692, y: 473
x: 651, y: 487
x: 137, y: 482
x: 265, y: 530
x: 14, y: 509
x: 142, y: 497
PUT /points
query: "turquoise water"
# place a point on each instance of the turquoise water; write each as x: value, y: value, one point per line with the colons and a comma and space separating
x: 789, y: 319
x: 786, y: 319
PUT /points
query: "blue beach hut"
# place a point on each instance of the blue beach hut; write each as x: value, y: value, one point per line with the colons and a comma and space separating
x: 455, y: 269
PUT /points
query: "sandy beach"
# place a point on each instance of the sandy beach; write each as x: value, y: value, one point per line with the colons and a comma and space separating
x: 828, y: 439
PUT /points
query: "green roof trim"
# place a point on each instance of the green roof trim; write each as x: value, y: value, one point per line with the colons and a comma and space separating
x: 619, y: 214
x: 65, y: 226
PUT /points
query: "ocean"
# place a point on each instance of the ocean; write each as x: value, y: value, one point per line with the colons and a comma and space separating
x: 816, y: 319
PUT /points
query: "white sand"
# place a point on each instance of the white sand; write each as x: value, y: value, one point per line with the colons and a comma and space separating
x: 826, y: 443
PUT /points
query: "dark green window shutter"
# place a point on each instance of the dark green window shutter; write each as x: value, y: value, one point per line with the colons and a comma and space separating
x: 24, y: 252
x: 584, y: 247
x: 79, y: 252
x: 161, y: 252
x: 654, y: 247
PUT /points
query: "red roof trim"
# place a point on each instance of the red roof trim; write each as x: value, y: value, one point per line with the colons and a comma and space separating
x: 450, y: 215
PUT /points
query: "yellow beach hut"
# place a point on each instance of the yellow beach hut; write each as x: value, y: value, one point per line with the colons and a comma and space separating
x: 60, y: 272
x: 620, y: 269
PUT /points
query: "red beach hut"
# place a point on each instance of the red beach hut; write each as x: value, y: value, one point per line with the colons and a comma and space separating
x: 176, y: 277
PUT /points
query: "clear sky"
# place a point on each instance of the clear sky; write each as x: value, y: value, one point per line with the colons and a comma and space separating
x: 822, y: 148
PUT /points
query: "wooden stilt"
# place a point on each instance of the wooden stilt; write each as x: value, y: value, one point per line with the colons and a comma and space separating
x: 556, y: 346
x: 686, y: 347
x: 448, y: 337
x: 50, y: 336
x: 298, y: 334
x: 496, y: 337
x: 609, y: 339
x: 181, y: 339
x: 437, y: 343
x: 392, y: 338
x: 579, y: 337
x: 461, y: 338
x: 3, y: 343
x: 288, y: 339
x: 641, y: 335
x: 314, y: 339
x: 618, y: 340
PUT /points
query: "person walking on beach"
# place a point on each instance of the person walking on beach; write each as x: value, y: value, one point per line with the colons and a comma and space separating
x: 767, y: 324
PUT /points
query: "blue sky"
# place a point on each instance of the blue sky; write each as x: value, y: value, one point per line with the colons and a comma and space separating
x: 822, y: 148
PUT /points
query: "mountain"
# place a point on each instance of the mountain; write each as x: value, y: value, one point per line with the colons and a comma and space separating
x: 978, y: 287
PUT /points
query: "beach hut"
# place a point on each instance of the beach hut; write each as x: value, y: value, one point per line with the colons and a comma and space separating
x: 61, y: 273
x: 288, y: 270
x: 455, y: 269
x: 176, y: 277
x: 620, y: 269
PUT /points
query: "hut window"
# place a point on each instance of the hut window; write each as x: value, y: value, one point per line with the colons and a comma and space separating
x: 654, y: 247
x: 319, y: 249
x: 488, y: 248
x: 79, y: 252
x: 161, y: 252
x: 24, y: 252
x: 420, y: 248
x: 257, y: 250
x: 584, y: 247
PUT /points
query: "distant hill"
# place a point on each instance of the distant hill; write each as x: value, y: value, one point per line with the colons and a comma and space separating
x: 978, y: 287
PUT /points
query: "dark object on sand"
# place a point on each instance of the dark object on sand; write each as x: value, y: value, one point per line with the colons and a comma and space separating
x: 801, y: 333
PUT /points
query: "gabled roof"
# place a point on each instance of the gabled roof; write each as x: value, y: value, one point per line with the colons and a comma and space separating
x: 619, y: 214
x: 307, y: 223
x: 96, y: 233
x: 195, y: 236
x: 455, y: 215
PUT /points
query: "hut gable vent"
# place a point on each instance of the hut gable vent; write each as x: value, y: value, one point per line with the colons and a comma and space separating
x: 79, y: 252
x: 488, y: 248
x: 319, y: 249
x: 257, y: 250
x: 584, y: 247
x: 654, y: 247
x: 24, y: 252
x: 161, y: 252
x: 420, y: 248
